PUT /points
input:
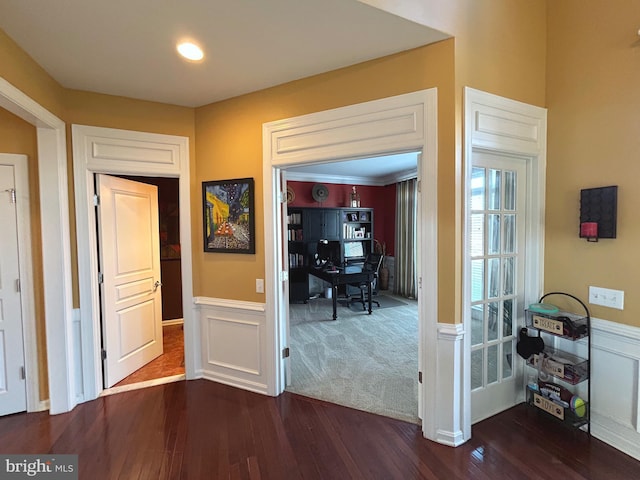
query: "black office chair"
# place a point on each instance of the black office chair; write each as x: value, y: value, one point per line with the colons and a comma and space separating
x: 371, y: 264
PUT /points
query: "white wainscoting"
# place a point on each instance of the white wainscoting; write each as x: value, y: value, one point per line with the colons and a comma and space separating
x: 615, y: 385
x: 233, y: 343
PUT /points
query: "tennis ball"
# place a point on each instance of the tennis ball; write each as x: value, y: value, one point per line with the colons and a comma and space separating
x: 578, y: 406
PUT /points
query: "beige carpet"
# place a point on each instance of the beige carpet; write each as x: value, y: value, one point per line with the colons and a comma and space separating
x: 368, y: 362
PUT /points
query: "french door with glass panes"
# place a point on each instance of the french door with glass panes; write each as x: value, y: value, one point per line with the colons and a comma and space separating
x: 497, y: 255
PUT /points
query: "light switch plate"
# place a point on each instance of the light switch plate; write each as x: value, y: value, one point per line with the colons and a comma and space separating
x: 606, y: 297
x: 259, y: 285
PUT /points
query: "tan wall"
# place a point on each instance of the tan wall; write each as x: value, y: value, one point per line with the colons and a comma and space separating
x: 500, y: 44
x: 594, y: 105
x: 20, y: 70
x: 229, y: 145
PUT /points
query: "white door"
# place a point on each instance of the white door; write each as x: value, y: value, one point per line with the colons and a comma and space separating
x: 129, y: 248
x: 13, y: 393
x: 284, y: 285
x: 497, y: 252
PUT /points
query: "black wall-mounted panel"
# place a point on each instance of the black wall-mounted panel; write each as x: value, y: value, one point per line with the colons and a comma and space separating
x: 600, y: 205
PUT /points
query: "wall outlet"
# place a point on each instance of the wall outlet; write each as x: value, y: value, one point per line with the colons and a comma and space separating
x: 606, y: 297
x: 259, y: 285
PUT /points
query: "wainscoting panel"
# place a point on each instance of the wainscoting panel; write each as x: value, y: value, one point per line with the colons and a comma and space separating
x: 615, y: 385
x: 234, y: 336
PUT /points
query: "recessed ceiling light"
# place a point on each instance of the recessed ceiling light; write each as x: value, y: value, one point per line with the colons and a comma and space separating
x: 190, y: 51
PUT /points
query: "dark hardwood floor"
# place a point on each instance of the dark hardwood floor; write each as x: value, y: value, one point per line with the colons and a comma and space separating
x: 204, y: 430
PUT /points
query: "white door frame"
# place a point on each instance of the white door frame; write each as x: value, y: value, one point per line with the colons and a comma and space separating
x: 391, y: 125
x: 25, y: 259
x: 125, y: 152
x: 56, y: 257
x: 500, y: 125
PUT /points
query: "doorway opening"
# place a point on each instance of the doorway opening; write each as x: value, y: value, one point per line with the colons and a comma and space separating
x: 367, y: 362
x: 405, y: 123
x: 123, y: 152
x: 169, y: 366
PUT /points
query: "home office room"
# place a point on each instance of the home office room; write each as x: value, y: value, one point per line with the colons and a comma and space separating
x: 353, y: 313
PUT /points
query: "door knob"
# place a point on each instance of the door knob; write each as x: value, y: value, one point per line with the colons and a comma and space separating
x: 156, y: 285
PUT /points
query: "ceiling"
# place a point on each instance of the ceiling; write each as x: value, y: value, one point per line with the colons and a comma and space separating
x: 127, y: 47
x: 379, y: 171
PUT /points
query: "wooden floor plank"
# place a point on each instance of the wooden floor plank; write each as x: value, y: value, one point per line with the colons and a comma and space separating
x: 202, y: 430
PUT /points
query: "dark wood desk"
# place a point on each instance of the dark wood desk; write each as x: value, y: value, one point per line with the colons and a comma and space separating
x: 339, y: 277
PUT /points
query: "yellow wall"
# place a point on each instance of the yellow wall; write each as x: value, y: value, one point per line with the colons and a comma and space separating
x: 593, y: 87
x: 500, y: 44
x: 229, y: 145
x: 20, y: 70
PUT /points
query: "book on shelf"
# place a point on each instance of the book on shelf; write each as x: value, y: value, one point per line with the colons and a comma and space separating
x: 296, y: 260
x: 295, y: 235
x: 294, y: 218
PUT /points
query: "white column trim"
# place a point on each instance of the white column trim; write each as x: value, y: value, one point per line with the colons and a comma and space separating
x: 449, y: 382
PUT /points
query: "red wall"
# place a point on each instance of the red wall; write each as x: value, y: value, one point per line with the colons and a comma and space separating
x: 381, y: 199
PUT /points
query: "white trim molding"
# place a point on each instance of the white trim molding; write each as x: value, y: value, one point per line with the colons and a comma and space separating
x: 125, y: 152
x: 615, y: 385
x: 233, y: 337
x: 56, y: 258
x: 400, y: 124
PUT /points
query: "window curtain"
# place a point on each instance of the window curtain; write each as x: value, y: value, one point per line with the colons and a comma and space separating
x: 405, y: 248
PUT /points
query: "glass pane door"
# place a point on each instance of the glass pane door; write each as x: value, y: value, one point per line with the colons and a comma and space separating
x: 496, y: 250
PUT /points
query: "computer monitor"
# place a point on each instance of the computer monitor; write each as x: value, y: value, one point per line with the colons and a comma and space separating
x: 353, y: 250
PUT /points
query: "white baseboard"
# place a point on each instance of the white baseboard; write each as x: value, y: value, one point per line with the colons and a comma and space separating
x: 42, y: 406
x: 234, y: 381
x: 145, y: 384
x: 175, y: 321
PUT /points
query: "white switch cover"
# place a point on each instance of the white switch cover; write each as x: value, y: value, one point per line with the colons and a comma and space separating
x: 259, y: 285
x: 606, y: 297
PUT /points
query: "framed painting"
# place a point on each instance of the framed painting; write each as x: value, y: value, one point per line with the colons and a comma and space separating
x: 229, y: 216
